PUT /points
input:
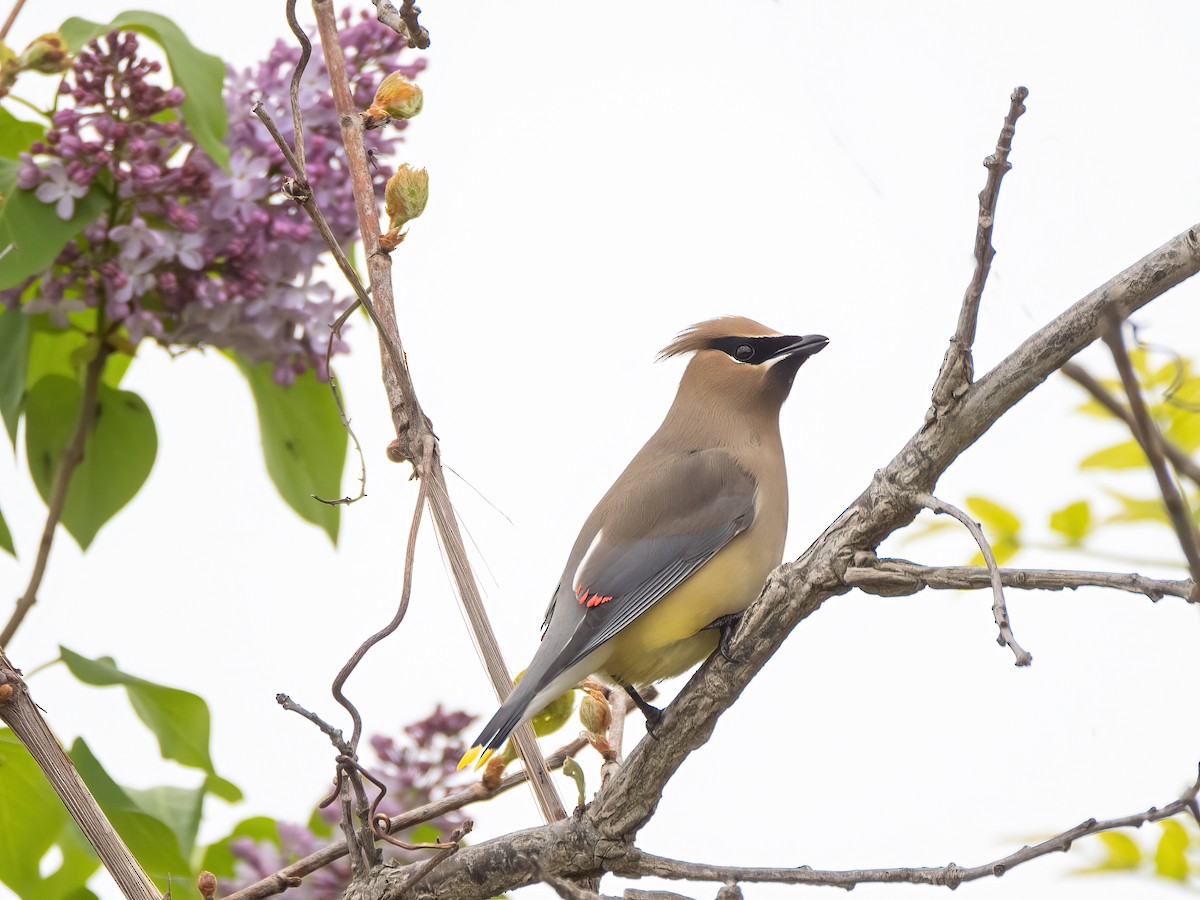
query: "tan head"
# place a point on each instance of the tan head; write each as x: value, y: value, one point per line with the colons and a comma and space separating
x: 734, y: 386
x: 742, y: 360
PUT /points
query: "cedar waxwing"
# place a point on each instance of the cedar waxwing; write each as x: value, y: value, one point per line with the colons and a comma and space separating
x: 684, y: 538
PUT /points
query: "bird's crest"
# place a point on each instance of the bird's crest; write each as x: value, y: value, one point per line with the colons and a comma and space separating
x: 701, y: 335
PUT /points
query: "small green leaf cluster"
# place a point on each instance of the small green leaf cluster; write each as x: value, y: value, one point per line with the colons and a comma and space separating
x: 160, y: 825
x: 1173, y: 392
x: 1173, y: 854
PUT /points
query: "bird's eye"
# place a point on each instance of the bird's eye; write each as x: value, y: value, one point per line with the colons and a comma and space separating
x: 744, y: 353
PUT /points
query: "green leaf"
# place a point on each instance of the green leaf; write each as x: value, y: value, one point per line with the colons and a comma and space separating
x: 179, y: 808
x: 1184, y: 427
x: 16, y: 134
x: 573, y: 771
x: 994, y: 518
x: 1073, y: 521
x: 1120, y: 853
x: 1125, y: 455
x: 424, y: 833
x: 6, y: 541
x: 150, y: 840
x: 303, y: 441
x: 1135, y: 509
x: 200, y: 74
x: 58, y: 351
x: 179, y: 719
x: 118, y: 454
x: 31, y: 816
x: 14, y: 361
x: 218, y: 858
x: 1170, y: 860
x: 33, y: 229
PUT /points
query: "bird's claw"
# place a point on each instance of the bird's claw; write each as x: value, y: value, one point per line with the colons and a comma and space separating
x: 728, y: 626
x: 653, y: 714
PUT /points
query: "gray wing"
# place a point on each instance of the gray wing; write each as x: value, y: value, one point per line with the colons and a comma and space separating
x: 654, y: 530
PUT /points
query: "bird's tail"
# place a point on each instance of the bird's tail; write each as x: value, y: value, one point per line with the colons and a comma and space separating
x: 511, y: 713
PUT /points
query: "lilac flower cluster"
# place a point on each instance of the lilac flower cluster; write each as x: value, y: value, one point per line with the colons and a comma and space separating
x: 189, y: 254
x: 416, y: 772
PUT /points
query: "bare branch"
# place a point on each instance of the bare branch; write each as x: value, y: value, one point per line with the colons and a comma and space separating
x: 958, y: 369
x: 900, y: 577
x: 1148, y: 436
x: 401, y: 610
x: 21, y: 714
x: 72, y: 456
x: 999, y: 607
x: 1183, y: 463
x: 798, y: 588
x: 291, y: 875
x: 404, y: 22
x: 12, y: 18
x: 415, y: 440
x: 294, y: 89
x: 951, y: 875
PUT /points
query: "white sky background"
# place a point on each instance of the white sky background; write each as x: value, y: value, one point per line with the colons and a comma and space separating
x: 603, y: 176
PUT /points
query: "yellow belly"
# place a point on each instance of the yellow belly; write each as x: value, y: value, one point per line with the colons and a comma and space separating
x: 667, y: 639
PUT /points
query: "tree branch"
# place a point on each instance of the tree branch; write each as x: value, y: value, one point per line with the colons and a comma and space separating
x: 900, y: 577
x: 11, y: 18
x: 403, y: 22
x: 798, y: 588
x: 958, y: 368
x: 637, y: 863
x: 290, y: 876
x: 415, y: 439
x: 71, y: 458
x: 1183, y: 463
x: 999, y: 607
x: 21, y: 714
x: 1151, y: 441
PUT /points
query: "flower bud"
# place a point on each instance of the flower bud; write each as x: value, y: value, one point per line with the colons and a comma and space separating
x: 9, y: 67
x: 492, y: 772
x: 47, y: 54
x: 206, y: 883
x: 405, y: 195
x: 594, y: 712
x: 399, y: 97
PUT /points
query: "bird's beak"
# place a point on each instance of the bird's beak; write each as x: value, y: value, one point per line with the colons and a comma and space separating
x: 802, y: 346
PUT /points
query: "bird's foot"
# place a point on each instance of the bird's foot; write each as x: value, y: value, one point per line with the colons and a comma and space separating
x: 652, y: 713
x: 728, y: 626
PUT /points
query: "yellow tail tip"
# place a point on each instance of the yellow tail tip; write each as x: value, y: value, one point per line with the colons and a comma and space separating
x: 469, y: 757
x: 487, y: 754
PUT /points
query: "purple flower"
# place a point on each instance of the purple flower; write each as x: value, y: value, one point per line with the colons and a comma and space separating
x: 58, y: 188
x: 191, y: 254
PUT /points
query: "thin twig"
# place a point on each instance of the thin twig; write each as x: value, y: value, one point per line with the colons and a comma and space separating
x: 404, y: 22
x: 637, y: 863
x: 999, y: 608
x: 958, y: 369
x: 362, y: 462
x: 302, y: 194
x: 287, y: 877
x: 900, y: 577
x: 334, y: 734
x: 401, y: 610
x: 294, y: 89
x: 72, y: 456
x: 415, y: 440
x: 1183, y: 463
x: 1148, y: 436
x: 12, y: 18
